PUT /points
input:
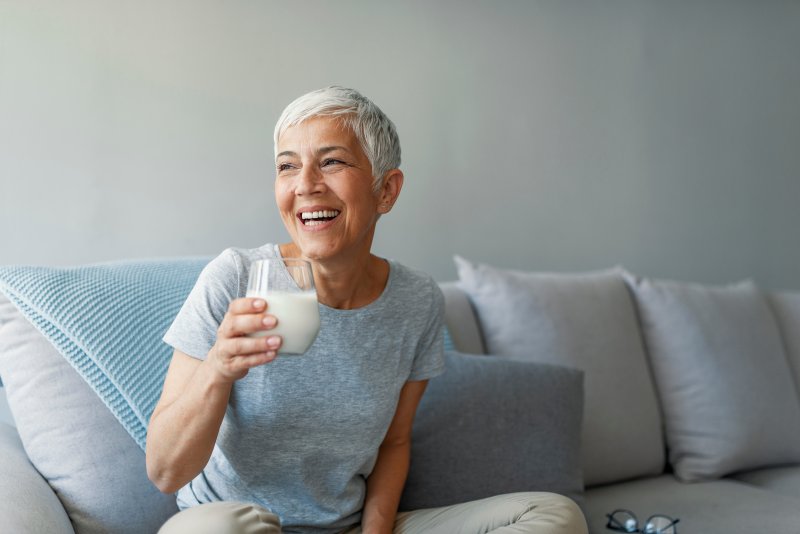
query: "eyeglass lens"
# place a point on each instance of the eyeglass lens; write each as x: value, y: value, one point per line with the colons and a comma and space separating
x: 659, y: 524
x: 625, y: 520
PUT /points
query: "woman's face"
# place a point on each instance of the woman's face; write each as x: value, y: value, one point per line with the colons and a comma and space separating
x: 323, y: 189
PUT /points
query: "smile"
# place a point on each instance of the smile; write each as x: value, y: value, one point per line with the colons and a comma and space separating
x: 316, y: 218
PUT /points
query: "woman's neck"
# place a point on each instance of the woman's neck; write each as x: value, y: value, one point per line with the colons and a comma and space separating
x: 346, y: 284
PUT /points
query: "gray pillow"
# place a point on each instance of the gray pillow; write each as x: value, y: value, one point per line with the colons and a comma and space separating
x: 73, y: 440
x: 728, y: 397
x: 490, y: 426
x: 786, y: 305
x: 587, y: 321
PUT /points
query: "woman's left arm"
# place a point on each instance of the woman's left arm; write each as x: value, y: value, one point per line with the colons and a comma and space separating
x: 385, y: 483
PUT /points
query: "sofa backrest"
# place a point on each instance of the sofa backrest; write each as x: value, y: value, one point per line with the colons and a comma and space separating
x: 460, y: 319
x: 587, y: 321
x: 786, y: 307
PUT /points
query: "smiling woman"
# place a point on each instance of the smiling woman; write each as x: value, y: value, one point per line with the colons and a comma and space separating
x: 319, y: 442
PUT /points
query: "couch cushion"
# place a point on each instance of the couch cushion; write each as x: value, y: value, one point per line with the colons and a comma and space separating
x: 702, y: 507
x: 784, y: 480
x: 27, y: 504
x: 489, y: 426
x: 728, y: 398
x: 73, y: 440
x: 586, y: 321
x: 786, y: 305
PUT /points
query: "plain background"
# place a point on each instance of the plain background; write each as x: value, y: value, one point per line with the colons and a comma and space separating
x: 557, y: 135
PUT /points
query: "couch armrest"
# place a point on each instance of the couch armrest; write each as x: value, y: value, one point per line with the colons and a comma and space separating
x: 27, y: 504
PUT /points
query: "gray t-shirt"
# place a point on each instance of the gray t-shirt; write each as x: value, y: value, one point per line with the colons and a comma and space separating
x: 301, y: 434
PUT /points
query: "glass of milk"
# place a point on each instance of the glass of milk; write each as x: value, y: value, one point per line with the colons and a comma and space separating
x: 287, y: 285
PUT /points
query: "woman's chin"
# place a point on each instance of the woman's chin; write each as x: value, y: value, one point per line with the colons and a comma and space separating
x: 314, y: 251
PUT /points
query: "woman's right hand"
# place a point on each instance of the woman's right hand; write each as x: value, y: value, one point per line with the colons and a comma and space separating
x: 185, y: 423
x: 234, y: 353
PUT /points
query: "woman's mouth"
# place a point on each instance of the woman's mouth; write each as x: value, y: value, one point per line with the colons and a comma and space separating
x: 317, y: 218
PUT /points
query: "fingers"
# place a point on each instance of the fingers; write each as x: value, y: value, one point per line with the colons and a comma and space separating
x: 247, y: 305
x: 237, y: 325
x: 235, y: 351
x: 246, y: 316
x: 234, y: 357
x: 244, y: 346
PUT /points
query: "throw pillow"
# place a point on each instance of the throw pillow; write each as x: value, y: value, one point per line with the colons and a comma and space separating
x: 587, y: 321
x: 490, y: 426
x: 94, y: 466
x: 107, y: 321
x: 726, y: 390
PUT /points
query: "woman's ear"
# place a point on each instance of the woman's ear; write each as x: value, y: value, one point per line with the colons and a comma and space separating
x: 390, y: 190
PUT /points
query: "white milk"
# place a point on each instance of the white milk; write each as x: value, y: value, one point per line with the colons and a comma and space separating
x: 298, y: 319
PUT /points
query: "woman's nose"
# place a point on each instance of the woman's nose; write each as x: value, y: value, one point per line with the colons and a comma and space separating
x: 309, y: 181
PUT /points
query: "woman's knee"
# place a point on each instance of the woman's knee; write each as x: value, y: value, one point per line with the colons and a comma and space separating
x: 560, y: 514
x: 223, y: 518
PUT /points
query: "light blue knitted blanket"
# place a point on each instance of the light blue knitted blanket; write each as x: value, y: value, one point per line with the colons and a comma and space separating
x: 107, y: 320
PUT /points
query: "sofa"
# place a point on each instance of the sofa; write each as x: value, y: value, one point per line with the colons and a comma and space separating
x: 621, y: 391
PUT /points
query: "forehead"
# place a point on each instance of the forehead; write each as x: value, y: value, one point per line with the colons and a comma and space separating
x: 316, y: 132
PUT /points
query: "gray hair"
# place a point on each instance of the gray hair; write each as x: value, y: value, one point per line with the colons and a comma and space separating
x: 371, y: 126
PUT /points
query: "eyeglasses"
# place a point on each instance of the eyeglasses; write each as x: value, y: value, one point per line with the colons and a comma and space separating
x: 626, y: 521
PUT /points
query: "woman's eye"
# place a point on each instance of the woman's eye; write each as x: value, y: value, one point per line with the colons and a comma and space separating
x: 332, y: 161
x: 283, y: 167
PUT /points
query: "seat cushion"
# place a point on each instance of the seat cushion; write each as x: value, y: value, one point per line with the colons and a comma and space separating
x: 784, y: 480
x: 490, y: 426
x: 586, y: 321
x: 72, y: 438
x: 728, y: 397
x: 702, y: 507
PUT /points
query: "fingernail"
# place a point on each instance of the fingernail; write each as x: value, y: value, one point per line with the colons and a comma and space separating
x: 268, y: 321
x: 273, y: 342
x: 258, y: 303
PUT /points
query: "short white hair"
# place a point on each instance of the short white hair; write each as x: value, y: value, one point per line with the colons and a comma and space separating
x: 371, y: 126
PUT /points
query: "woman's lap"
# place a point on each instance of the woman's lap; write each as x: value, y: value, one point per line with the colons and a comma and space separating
x: 514, y: 513
x: 223, y: 518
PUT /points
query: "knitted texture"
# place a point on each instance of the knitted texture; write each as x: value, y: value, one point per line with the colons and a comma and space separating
x: 107, y: 320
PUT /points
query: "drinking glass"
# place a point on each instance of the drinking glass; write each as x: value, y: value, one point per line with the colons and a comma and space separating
x: 287, y: 284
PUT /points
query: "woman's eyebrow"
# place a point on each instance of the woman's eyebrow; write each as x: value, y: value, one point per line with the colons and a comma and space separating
x: 320, y: 151
x: 326, y: 149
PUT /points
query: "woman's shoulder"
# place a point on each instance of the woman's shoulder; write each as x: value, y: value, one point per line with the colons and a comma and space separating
x: 413, y: 283
x: 245, y: 256
x: 234, y: 262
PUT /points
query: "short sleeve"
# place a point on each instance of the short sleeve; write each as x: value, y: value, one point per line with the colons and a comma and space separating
x: 429, y: 359
x: 194, y: 330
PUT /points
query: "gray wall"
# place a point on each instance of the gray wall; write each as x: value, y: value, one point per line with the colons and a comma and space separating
x: 547, y: 135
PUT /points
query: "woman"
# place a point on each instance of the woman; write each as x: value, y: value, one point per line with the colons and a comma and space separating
x: 318, y: 442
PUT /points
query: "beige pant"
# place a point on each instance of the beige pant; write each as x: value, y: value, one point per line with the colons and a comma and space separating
x: 515, y: 513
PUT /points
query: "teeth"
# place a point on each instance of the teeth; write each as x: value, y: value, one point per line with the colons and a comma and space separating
x: 309, y: 215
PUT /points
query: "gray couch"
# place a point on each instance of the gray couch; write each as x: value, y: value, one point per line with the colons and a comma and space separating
x: 690, y: 406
